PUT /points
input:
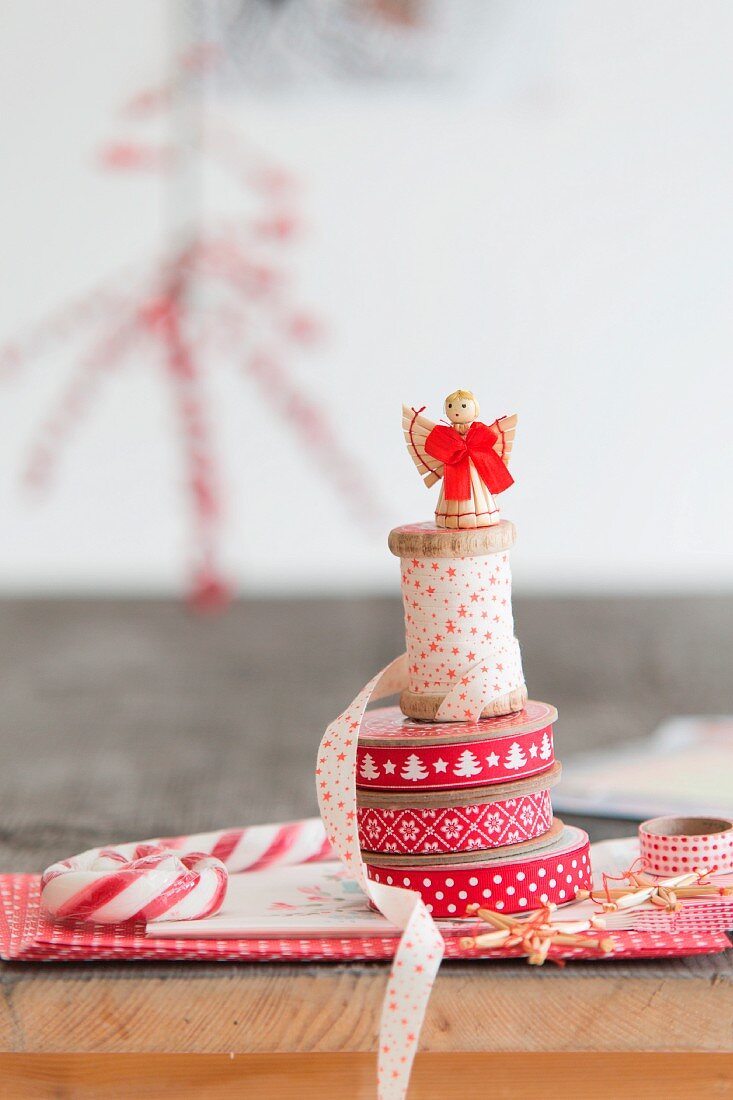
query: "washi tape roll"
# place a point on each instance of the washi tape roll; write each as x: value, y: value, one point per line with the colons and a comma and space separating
x: 399, y: 754
x: 553, y: 874
x: 673, y: 845
x: 482, y: 825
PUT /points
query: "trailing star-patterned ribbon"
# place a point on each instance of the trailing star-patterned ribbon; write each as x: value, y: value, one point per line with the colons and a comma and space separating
x: 420, y: 949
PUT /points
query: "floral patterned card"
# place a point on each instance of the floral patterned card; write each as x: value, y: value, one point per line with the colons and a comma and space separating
x: 309, y: 899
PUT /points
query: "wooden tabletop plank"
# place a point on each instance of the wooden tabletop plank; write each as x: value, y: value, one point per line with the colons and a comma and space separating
x: 605, y: 1076
x: 261, y: 1008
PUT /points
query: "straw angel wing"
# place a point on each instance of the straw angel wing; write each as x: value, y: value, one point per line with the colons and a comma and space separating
x: 505, y: 428
x: 417, y: 428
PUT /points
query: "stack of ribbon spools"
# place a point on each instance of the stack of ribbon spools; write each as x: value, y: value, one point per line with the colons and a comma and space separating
x: 453, y: 787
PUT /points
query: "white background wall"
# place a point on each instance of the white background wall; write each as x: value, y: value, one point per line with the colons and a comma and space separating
x: 552, y: 229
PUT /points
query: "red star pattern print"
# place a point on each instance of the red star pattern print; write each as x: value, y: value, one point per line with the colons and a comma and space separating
x: 460, y: 631
x: 421, y: 947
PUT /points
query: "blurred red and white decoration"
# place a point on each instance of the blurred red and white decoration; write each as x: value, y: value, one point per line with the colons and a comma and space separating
x: 237, y: 234
x: 222, y: 292
x: 283, y: 42
x: 222, y: 295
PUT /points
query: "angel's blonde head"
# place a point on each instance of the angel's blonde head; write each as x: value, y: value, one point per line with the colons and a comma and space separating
x: 457, y: 398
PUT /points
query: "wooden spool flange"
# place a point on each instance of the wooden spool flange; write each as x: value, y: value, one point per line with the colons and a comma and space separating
x: 496, y: 792
x: 425, y: 540
x: 425, y: 707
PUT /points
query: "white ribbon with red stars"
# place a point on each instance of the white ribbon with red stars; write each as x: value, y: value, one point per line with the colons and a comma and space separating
x: 420, y: 949
x: 459, y: 630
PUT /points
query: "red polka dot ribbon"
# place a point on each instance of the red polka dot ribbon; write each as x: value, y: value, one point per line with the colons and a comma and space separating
x: 511, y: 885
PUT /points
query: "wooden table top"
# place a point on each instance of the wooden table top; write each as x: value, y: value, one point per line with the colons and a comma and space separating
x: 128, y: 719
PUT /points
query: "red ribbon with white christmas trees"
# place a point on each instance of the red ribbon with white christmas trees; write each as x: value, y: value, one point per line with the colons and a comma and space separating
x: 398, y: 754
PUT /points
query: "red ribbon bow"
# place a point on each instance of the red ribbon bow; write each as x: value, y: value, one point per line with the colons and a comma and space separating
x: 455, y: 450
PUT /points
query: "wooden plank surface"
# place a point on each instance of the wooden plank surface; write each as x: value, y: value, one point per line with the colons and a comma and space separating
x: 126, y: 719
x: 288, y: 1009
x: 293, y: 1076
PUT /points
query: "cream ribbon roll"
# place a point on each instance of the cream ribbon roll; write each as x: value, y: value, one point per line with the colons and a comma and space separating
x: 459, y: 631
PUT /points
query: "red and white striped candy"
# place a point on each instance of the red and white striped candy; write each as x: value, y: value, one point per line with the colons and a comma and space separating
x: 259, y: 846
x: 134, y: 882
x: 173, y: 878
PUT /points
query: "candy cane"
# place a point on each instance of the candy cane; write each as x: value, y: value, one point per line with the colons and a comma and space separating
x: 173, y: 878
x: 259, y: 846
x: 134, y: 882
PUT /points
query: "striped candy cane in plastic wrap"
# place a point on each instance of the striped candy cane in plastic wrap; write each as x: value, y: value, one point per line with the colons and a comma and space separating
x: 173, y: 878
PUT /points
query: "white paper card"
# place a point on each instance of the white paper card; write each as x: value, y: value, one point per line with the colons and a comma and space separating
x: 317, y: 899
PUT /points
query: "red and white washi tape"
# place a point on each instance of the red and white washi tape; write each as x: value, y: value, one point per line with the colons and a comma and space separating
x: 445, y: 829
x: 673, y: 845
x: 400, y: 754
x: 518, y: 884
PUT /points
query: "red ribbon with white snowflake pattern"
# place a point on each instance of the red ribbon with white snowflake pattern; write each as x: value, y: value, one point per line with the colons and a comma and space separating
x: 437, y: 830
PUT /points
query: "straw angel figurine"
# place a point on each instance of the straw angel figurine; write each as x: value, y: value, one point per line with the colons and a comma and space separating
x: 469, y: 456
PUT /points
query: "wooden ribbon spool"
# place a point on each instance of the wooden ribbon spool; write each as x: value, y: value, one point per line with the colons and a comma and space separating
x: 481, y: 856
x: 428, y: 825
x: 426, y: 800
x: 426, y: 541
